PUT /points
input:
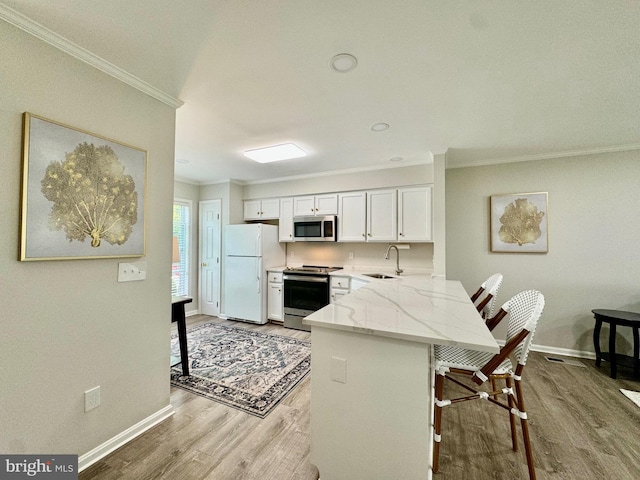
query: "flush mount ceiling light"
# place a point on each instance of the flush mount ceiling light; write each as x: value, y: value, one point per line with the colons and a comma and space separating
x: 182, y: 160
x: 275, y: 153
x: 343, y: 63
x: 396, y: 159
x: 379, y: 127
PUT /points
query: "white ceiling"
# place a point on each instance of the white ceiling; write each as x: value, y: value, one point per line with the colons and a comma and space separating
x: 483, y: 81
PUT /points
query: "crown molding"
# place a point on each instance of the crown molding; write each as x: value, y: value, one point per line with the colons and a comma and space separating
x: 542, y: 156
x: 41, y: 32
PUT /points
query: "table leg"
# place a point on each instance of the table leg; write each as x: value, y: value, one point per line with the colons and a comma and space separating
x: 596, y: 341
x: 180, y: 319
x: 612, y: 350
x: 636, y: 352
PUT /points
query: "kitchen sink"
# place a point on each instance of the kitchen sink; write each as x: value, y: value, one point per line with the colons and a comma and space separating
x: 378, y: 275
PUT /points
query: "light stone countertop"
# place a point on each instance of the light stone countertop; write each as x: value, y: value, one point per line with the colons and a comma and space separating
x: 278, y: 269
x: 410, y: 307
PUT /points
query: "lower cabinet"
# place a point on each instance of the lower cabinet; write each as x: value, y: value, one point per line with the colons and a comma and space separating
x: 275, y: 297
x: 339, y: 287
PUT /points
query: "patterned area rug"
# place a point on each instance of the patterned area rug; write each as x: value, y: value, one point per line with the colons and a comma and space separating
x: 631, y: 395
x: 249, y: 370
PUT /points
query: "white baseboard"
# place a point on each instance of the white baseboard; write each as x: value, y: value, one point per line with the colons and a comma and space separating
x: 567, y: 352
x: 129, y: 434
x: 563, y: 351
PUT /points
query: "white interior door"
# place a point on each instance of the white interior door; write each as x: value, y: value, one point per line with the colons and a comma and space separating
x: 210, y: 251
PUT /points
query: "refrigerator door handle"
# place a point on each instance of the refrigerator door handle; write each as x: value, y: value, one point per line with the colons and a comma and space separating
x: 258, y: 274
x: 258, y: 250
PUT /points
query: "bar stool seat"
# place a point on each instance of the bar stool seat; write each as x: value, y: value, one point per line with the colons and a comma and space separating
x: 615, y: 318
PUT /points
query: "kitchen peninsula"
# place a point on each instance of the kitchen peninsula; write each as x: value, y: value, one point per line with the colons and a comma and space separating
x: 371, y: 381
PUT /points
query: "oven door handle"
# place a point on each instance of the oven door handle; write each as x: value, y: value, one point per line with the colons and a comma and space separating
x: 306, y: 278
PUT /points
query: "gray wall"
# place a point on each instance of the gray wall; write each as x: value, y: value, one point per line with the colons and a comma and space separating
x: 594, y: 229
x: 68, y: 326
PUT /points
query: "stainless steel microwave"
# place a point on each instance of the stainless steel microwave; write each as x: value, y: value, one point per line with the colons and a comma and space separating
x: 315, y: 229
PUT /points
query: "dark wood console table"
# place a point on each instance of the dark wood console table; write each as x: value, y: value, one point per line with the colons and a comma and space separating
x: 615, y: 318
x: 178, y: 316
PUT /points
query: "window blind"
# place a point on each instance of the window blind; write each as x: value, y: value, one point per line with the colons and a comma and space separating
x: 181, y: 228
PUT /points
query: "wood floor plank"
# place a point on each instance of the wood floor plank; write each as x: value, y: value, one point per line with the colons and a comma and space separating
x: 581, y: 427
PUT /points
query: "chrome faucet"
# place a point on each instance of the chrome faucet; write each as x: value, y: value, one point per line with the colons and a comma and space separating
x: 386, y: 257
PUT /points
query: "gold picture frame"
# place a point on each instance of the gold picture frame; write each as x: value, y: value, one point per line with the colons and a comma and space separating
x: 519, y: 223
x: 82, y: 196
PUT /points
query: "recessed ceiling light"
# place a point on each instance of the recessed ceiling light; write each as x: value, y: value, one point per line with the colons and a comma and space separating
x: 379, y: 127
x: 182, y: 160
x: 275, y: 153
x: 343, y: 63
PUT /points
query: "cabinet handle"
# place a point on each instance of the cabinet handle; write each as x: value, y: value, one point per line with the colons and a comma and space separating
x: 279, y: 289
x: 290, y: 235
x: 401, y: 234
x: 363, y: 235
x: 369, y: 234
x: 316, y: 209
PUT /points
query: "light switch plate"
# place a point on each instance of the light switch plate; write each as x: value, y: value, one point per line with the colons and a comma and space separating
x: 131, y: 272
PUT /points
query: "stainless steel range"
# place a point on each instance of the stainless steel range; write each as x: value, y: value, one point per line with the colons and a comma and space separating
x: 306, y: 289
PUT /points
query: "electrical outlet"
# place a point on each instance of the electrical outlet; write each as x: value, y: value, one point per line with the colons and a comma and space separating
x: 92, y: 398
x: 350, y: 255
x: 338, y: 369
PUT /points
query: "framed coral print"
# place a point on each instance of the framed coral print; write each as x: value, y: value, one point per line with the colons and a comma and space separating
x: 82, y: 194
x: 519, y: 223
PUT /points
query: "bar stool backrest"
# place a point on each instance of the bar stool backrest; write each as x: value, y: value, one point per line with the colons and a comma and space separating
x: 525, y: 310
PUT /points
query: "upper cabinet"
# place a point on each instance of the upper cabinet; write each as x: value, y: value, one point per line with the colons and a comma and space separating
x: 401, y: 214
x: 265, y: 209
x: 382, y: 223
x: 315, y: 205
x: 414, y: 214
x: 352, y: 217
x: 392, y: 215
x: 285, y: 230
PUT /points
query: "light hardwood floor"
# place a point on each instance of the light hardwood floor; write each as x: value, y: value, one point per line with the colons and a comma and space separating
x: 582, y: 427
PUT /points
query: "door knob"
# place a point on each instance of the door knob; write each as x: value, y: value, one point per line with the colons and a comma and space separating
x: 204, y: 264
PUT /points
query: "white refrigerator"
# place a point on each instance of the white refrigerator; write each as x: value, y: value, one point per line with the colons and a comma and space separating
x: 250, y: 249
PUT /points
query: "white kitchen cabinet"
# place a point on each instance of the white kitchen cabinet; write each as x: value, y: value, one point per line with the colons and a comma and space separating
x: 339, y: 287
x: 382, y: 223
x: 265, y: 209
x: 352, y: 217
x: 414, y: 214
x: 311, y: 205
x: 275, y: 297
x: 286, y: 220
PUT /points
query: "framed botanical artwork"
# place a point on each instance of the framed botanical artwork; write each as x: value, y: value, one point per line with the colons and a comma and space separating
x: 519, y: 223
x: 82, y: 194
